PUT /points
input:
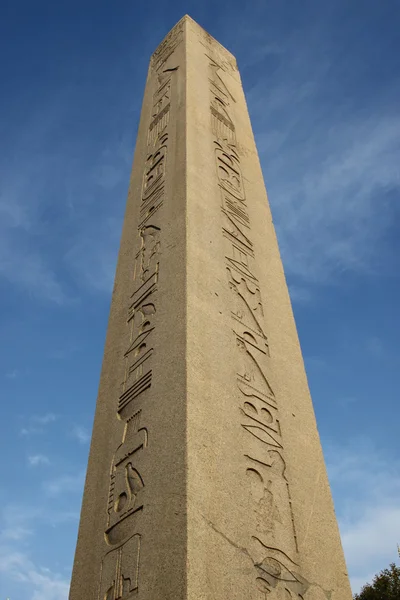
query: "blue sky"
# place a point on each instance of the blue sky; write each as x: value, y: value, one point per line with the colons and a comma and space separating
x: 322, y: 83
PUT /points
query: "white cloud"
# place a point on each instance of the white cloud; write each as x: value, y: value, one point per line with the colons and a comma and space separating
x: 30, y: 271
x: 333, y: 215
x: 93, y: 254
x: 330, y: 159
x: 40, y: 582
x: 81, y: 434
x: 64, y: 484
x: 13, y: 374
x: 45, y: 419
x: 37, y: 423
x: 25, y: 193
x: 15, y: 533
x: 366, y: 488
x: 299, y: 294
x: 19, y: 521
x: 38, y: 459
x: 19, y: 572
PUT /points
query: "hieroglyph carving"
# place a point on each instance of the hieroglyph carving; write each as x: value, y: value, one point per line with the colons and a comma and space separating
x: 167, y: 46
x: 221, y: 122
x: 119, y: 578
x: 160, y: 112
x: 273, y: 545
x: 126, y: 498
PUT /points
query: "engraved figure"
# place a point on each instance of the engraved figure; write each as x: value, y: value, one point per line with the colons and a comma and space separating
x: 167, y: 47
x: 266, y: 509
x: 119, y: 578
x: 126, y: 483
x: 277, y: 573
x: 221, y: 122
x: 217, y: 81
x: 257, y: 411
x: 251, y: 372
x: 248, y: 307
x: 131, y: 483
x: 150, y: 248
x: 161, y: 98
x: 155, y: 167
x: 160, y: 112
x: 235, y: 207
x: 270, y: 467
x: 272, y: 512
x: 229, y: 170
x: 234, y: 227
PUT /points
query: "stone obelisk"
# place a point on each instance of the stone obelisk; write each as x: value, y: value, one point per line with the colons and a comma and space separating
x: 206, y: 479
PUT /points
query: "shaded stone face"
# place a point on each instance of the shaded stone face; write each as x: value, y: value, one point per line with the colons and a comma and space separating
x: 206, y: 478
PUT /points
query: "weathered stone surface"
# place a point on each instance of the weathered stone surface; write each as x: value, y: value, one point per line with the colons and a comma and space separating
x: 206, y: 478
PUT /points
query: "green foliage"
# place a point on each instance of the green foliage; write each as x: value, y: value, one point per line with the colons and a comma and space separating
x: 385, y: 586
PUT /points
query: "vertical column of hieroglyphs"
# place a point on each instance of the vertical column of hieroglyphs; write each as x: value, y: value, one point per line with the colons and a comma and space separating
x: 119, y: 577
x: 272, y: 540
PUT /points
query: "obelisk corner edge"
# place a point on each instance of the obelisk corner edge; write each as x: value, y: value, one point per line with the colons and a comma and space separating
x: 184, y: 27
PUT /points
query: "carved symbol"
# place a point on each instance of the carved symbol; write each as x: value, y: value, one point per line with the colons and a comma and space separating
x: 248, y: 307
x: 155, y: 167
x: 159, y: 124
x: 267, y: 512
x: 277, y: 571
x: 274, y: 567
x: 276, y: 473
x: 236, y: 207
x: 138, y: 375
x: 126, y: 399
x: 216, y: 79
x: 150, y: 249
x: 221, y: 123
x: 120, y: 566
x: 251, y: 373
x: 258, y: 413
x: 119, y: 578
x: 126, y: 483
x: 261, y: 434
x: 233, y: 227
x: 167, y: 46
x: 160, y: 112
x: 229, y: 171
x: 161, y: 97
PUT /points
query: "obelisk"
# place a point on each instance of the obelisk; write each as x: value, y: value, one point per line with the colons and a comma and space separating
x: 206, y: 479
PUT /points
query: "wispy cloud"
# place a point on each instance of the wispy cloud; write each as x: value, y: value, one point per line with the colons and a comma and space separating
x: 332, y: 217
x: 44, y: 419
x: 40, y: 583
x: 13, y: 374
x: 330, y: 162
x: 19, y: 521
x: 28, y: 170
x: 93, y: 254
x: 366, y: 485
x: 19, y: 571
x: 81, y: 434
x: 36, y: 460
x: 15, y: 533
x: 30, y: 271
x: 299, y: 294
x: 64, y: 484
x: 37, y: 424
x: 56, y: 214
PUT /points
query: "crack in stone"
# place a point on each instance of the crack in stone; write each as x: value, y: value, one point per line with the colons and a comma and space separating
x: 310, y: 584
x: 227, y: 539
